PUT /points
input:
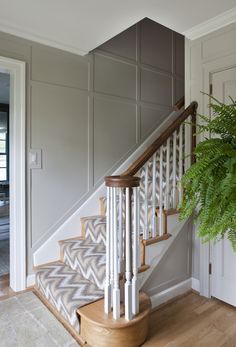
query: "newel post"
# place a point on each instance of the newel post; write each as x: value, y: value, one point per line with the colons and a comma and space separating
x: 122, y: 245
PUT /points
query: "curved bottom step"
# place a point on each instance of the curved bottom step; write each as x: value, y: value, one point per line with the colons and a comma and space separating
x: 99, y: 329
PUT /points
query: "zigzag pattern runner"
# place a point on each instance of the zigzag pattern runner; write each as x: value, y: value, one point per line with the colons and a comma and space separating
x: 89, y: 259
x: 95, y: 229
x: 66, y: 290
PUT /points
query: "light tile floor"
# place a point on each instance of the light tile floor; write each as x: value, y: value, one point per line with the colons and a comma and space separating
x: 26, y: 322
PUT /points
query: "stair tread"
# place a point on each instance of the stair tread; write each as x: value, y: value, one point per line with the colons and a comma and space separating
x: 66, y: 289
x: 86, y: 257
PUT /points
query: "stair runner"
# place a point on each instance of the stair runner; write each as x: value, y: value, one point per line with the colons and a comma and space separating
x: 78, y: 279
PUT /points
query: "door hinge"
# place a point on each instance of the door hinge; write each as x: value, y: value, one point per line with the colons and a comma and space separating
x: 210, y: 268
x: 211, y: 88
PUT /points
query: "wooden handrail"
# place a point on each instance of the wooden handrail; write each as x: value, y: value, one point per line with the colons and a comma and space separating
x: 122, y: 181
x: 179, y: 104
x: 138, y: 164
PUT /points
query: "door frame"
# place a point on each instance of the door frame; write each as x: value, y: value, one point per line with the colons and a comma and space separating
x: 209, y: 69
x: 17, y: 174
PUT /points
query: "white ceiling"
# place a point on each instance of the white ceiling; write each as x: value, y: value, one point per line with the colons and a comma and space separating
x: 79, y: 26
x: 4, y: 88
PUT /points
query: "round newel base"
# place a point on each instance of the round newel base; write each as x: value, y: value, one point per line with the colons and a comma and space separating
x: 101, y: 330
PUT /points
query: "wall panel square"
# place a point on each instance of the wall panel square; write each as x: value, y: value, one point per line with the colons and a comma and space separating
x: 123, y: 45
x: 114, y: 133
x: 156, y: 87
x: 59, y: 122
x: 52, y: 66
x: 156, y: 45
x: 114, y: 77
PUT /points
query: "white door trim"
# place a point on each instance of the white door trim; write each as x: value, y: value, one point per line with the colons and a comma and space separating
x: 209, y: 68
x: 17, y: 172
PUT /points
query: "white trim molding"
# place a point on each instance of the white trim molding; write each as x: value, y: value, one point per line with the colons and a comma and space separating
x: 170, y: 293
x: 211, y: 25
x: 195, y: 284
x: 30, y: 280
x: 16, y: 69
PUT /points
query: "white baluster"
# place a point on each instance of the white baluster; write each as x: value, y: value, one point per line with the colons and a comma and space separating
x: 167, y: 196
x: 161, y: 226
x: 116, y: 290
x: 121, y: 257
x: 135, y: 290
x: 107, y: 294
x: 154, y: 195
x: 146, y: 224
x: 138, y: 226
x: 111, y: 243
x: 180, y: 161
x: 128, y: 285
x: 174, y: 170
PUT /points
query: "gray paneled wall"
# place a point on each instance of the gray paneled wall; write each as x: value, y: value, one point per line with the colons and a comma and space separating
x: 87, y: 114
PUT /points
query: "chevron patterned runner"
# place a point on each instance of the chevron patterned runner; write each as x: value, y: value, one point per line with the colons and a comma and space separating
x: 66, y: 290
x: 94, y: 229
x: 89, y: 259
x: 79, y: 279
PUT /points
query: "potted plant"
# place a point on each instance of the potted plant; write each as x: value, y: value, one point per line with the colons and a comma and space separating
x: 210, y: 183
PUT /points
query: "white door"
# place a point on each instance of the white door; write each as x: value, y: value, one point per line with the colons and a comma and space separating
x: 223, y: 278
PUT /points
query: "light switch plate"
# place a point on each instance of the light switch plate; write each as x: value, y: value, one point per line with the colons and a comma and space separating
x: 35, y: 159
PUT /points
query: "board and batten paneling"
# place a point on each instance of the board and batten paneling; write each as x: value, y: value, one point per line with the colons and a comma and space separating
x: 88, y: 113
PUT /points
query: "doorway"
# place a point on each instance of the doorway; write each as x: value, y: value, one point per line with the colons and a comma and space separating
x: 12, y: 174
x: 4, y: 176
x: 223, y: 259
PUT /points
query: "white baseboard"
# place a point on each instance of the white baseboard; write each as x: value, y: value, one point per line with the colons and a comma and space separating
x: 195, y: 284
x: 170, y: 293
x: 30, y: 281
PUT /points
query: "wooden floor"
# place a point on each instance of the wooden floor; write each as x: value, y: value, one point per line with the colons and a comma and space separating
x: 5, y: 290
x: 193, y: 321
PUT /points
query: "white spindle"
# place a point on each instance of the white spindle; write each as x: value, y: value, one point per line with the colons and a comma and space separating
x: 154, y: 195
x: 111, y: 242
x: 167, y: 195
x: 128, y: 285
x: 121, y: 262
x: 138, y: 226
x: 161, y: 194
x: 146, y: 224
x: 107, y: 293
x: 180, y: 161
x: 116, y: 290
x: 174, y: 170
x: 135, y: 290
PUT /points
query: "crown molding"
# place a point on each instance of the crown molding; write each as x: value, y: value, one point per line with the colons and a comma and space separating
x: 19, y: 32
x: 211, y: 25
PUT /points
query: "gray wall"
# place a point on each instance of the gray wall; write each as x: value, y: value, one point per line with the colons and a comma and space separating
x: 87, y: 114
x: 175, y: 266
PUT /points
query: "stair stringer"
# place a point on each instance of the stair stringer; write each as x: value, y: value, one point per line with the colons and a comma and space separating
x: 49, y: 251
x: 156, y: 252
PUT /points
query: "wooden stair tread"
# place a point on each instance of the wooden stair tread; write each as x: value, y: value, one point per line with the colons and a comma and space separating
x: 156, y: 239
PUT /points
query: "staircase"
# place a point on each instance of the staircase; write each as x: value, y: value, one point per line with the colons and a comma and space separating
x: 109, y: 257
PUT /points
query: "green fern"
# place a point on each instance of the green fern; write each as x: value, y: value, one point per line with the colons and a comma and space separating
x: 210, y: 184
